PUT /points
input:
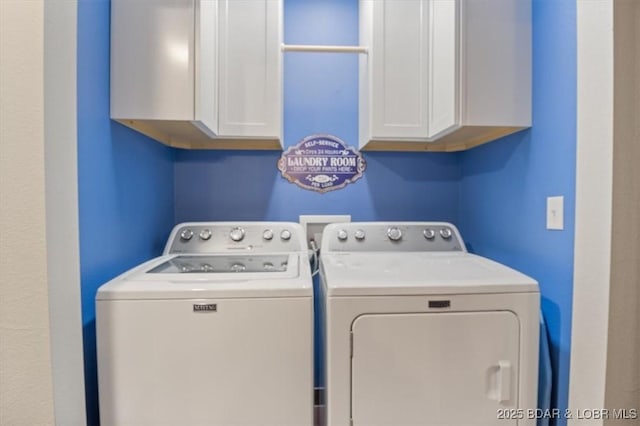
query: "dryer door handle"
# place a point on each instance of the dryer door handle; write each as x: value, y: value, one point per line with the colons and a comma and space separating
x: 504, y: 381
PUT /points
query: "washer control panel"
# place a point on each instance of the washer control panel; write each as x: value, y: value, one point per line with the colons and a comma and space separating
x: 387, y: 236
x: 234, y: 237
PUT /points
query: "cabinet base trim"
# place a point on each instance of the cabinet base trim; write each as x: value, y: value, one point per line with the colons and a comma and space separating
x: 464, y: 138
x: 186, y: 135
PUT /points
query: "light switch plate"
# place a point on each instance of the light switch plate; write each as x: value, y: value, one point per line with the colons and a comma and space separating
x: 555, y: 213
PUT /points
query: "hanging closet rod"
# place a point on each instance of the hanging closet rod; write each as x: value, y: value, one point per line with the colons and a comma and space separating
x: 316, y: 48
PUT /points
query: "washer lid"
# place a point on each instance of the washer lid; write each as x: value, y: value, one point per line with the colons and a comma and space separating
x: 212, y: 276
x: 364, y: 274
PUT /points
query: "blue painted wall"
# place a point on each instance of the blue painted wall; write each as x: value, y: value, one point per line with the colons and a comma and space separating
x: 125, y: 184
x: 504, y: 184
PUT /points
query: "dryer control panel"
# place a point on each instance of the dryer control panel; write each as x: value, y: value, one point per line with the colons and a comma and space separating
x: 236, y: 237
x: 391, y: 236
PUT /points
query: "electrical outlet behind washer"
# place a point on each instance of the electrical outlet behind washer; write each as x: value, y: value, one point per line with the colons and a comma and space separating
x: 314, y: 225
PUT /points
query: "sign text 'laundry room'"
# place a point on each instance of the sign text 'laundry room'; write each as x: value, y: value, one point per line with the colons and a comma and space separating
x: 321, y: 163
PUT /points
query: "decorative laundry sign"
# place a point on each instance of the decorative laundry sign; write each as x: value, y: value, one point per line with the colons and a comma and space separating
x: 321, y: 163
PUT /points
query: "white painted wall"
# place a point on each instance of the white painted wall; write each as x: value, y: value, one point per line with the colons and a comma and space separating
x: 605, y: 347
x: 61, y: 187
x: 594, y: 168
x: 26, y: 393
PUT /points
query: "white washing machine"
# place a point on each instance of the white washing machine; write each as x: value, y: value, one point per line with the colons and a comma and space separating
x: 218, y: 331
x: 420, y: 332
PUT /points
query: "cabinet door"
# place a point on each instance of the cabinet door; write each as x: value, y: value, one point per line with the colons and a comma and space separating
x: 250, y: 89
x: 152, y: 61
x: 412, y: 66
x: 443, y: 66
x: 398, y: 65
x: 446, y: 369
x: 206, y: 69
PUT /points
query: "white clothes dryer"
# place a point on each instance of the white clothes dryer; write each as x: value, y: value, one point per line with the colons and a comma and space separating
x: 420, y: 332
x: 218, y: 331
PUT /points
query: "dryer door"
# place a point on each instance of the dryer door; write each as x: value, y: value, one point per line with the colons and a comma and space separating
x: 436, y: 369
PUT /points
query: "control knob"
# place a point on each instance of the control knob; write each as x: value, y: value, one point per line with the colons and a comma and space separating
x: 186, y: 234
x: 359, y: 235
x: 205, y: 234
x: 342, y: 235
x: 285, y: 235
x: 429, y: 234
x: 267, y: 235
x: 236, y: 234
x: 394, y: 234
x: 445, y: 233
x: 238, y: 267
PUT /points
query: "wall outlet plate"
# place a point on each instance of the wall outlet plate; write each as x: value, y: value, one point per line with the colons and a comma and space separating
x: 314, y: 225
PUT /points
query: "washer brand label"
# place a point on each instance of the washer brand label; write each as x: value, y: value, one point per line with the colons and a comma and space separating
x: 321, y: 163
x: 204, y: 307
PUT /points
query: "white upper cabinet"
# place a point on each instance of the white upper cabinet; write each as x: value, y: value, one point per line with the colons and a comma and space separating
x: 443, y: 75
x: 199, y: 73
